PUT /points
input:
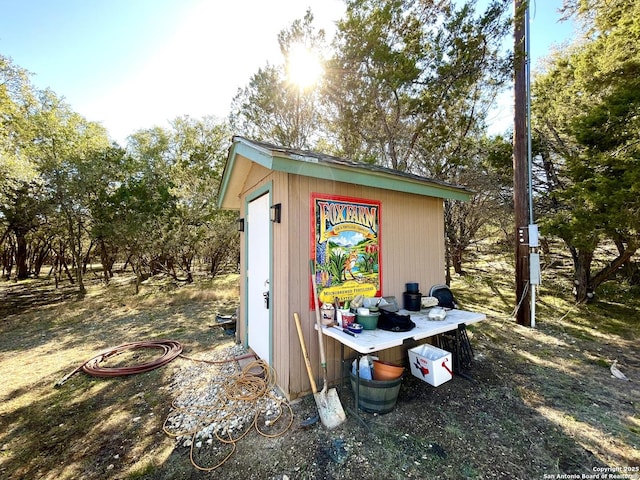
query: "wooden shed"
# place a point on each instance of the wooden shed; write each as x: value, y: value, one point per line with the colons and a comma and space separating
x: 295, y: 206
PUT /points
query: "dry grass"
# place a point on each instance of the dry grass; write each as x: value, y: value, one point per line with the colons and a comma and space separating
x: 542, y: 400
x: 88, y: 425
x: 561, y: 368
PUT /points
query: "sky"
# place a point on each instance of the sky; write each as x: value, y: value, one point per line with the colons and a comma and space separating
x: 134, y: 64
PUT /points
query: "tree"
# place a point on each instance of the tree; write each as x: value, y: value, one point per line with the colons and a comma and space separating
x: 410, y: 84
x: 22, y: 210
x: 586, y: 108
x: 22, y: 199
x: 17, y: 102
x: 167, y: 210
x: 411, y: 81
x: 142, y: 206
x: 67, y: 190
x: 200, y: 148
x: 70, y: 155
x: 271, y: 107
x: 105, y: 221
x: 490, y: 208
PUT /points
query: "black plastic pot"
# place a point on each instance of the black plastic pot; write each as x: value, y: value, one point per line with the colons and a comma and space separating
x: 412, y: 287
x: 411, y: 301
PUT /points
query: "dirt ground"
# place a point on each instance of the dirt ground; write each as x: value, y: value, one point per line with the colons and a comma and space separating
x: 538, y: 403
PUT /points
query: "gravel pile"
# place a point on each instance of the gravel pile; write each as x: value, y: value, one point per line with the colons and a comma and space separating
x: 218, y: 400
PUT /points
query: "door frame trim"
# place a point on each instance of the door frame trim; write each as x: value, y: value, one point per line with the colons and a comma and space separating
x: 267, y: 189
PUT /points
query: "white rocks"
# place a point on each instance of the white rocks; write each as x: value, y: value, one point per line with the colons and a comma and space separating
x: 202, y: 409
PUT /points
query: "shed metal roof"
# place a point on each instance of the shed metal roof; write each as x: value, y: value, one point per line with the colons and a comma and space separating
x: 243, y: 151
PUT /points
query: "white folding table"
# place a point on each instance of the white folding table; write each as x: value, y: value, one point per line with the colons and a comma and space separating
x: 370, y: 341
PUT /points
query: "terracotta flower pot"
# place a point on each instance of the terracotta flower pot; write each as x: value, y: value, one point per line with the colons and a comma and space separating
x: 386, y: 371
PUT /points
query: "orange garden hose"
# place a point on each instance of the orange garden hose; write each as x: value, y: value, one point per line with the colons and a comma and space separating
x: 170, y: 350
x: 252, y: 385
x: 247, y: 386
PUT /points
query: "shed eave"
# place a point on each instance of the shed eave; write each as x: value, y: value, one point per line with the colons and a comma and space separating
x: 243, y: 152
x: 239, y: 159
x: 312, y: 167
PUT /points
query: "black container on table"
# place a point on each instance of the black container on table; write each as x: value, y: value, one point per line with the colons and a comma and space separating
x: 412, y: 287
x: 412, y: 301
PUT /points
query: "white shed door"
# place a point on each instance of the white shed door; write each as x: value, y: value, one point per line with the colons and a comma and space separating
x: 258, y: 278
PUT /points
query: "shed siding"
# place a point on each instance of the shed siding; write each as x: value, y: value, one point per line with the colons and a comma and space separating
x: 257, y: 178
x: 412, y: 233
x: 280, y: 286
x: 412, y: 236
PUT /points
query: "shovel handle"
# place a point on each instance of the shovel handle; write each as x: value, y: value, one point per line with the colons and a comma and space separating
x: 316, y: 303
x: 305, y: 354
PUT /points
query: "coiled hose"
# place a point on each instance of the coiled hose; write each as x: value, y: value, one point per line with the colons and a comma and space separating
x: 243, y: 392
x: 170, y: 350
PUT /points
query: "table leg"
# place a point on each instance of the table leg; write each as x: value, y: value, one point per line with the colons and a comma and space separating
x: 457, y: 364
x: 357, y: 409
x: 358, y: 383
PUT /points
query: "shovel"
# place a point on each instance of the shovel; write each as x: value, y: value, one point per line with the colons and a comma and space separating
x: 329, y: 407
x: 330, y: 399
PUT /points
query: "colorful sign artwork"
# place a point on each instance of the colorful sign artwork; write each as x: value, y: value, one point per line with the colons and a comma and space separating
x: 345, y: 247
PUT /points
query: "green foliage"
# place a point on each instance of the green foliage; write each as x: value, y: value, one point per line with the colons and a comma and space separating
x: 17, y: 98
x: 409, y: 80
x: 336, y: 261
x: 51, y: 156
x: 271, y: 108
x: 68, y: 189
x: 587, y: 109
x: 173, y: 199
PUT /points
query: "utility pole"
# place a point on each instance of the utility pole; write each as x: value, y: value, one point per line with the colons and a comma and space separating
x: 520, y: 165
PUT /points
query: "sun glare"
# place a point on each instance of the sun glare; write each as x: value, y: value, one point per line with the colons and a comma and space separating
x: 304, y: 66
